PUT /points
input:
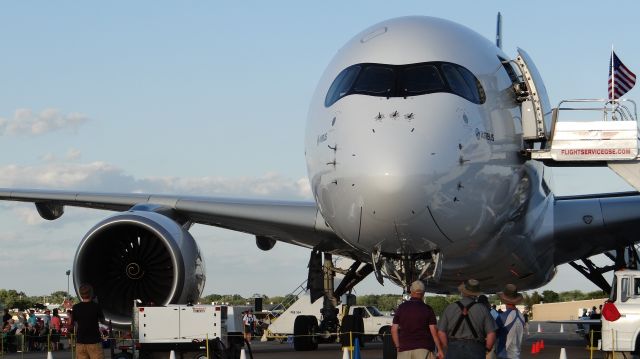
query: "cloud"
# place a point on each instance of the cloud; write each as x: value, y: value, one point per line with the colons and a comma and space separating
x: 270, y: 185
x: 104, y: 177
x: 48, y: 157
x: 73, y: 154
x: 86, y: 176
x: 26, y: 122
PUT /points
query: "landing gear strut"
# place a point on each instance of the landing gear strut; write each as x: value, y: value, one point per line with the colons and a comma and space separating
x: 623, y: 257
x: 320, y: 284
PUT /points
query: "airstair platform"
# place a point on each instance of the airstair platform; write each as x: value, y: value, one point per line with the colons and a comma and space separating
x: 591, y: 141
x: 608, y: 132
x: 605, y: 134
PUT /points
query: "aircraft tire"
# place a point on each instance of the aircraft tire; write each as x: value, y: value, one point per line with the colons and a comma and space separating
x: 346, y: 327
x: 304, y: 330
x: 123, y: 355
x: 236, y: 343
x: 381, y: 334
x: 388, y: 348
x: 636, y: 353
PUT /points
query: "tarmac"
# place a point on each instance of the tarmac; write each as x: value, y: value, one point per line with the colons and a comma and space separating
x: 574, y: 345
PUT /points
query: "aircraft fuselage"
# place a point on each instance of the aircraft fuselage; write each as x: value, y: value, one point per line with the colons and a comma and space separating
x: 407, y: 153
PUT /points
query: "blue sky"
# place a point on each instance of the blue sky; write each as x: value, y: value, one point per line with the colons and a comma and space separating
x: 211, y: 98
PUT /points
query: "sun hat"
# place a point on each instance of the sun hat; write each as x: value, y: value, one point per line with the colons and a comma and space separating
x: 470, y: 288
x: 510, y: 295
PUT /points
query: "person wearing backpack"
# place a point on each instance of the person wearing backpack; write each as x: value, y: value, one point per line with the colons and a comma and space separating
x: 467, y: 330
x: 510, y: 324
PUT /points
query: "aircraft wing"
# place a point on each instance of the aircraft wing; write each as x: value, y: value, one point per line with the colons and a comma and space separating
x: 593, y: 224
x: 297, y: 223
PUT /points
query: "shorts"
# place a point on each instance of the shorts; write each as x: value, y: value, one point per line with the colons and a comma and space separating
x: 90, y: 351
x: 416, y: 354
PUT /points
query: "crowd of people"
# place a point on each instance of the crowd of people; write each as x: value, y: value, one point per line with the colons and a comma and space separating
x: 31, y: 331
x: 468, y: 328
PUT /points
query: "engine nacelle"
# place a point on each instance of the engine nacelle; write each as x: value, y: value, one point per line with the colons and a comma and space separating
x: 265, y: 243
x: 139, y: 255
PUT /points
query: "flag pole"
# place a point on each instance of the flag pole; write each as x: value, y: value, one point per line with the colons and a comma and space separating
x: 613, y: 77
x: 614, y: 104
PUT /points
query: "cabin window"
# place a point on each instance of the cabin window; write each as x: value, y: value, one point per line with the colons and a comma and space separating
x: 374, y: 311
x: 613, y: 296
x: 382, y: 80
x: 624, y: 289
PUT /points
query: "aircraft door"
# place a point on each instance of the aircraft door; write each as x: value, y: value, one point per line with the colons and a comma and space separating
x: 536, y: 110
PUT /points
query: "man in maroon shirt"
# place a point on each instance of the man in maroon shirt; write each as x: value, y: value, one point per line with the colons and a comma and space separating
x: 414, y: 330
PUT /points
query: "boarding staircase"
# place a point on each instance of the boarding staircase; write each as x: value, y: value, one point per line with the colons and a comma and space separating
x: 592, y: 132
x: 292, y: 297
x: 582, y: 132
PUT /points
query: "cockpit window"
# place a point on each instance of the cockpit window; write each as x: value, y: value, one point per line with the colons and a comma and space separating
x: 464, y: 83
x: 341, y: 84
x: 422, y: 79
x: 375, y: 80
x: 405, y: 80
x: 456, y: 81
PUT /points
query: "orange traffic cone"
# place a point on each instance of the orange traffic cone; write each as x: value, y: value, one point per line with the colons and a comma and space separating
x: 534, y: 348
x: 541, y: 344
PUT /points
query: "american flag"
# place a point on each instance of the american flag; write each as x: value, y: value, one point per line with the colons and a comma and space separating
x: 622, y: 79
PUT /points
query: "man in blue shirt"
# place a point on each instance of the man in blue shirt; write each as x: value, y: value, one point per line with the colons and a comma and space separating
x: 510, y: 324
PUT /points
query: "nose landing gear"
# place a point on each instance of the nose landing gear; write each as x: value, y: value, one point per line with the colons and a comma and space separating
x: 404, y: 269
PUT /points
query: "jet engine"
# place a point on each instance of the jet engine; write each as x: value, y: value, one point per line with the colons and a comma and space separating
x: 139, y: 255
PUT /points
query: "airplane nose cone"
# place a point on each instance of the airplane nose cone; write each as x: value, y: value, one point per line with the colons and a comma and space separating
x: 397, y: 192
x: 394, y: 206
x: 393, y: 173
x: 385, y: 181
x: 389, y: 183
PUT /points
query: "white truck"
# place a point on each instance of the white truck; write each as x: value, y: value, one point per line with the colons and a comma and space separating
x: 374, y: 322
x: 621, y: 314
x: 191, y: 331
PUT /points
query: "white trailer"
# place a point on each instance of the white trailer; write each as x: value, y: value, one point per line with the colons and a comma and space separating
x: 191, y: 331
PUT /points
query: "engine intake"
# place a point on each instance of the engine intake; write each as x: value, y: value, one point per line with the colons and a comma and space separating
x: 139, y: 255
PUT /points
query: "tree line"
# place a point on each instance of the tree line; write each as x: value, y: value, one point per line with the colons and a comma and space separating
x: 13, y: 299
x: 386, y: 302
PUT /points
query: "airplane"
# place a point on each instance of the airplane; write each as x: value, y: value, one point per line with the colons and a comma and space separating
x: 418, y: 152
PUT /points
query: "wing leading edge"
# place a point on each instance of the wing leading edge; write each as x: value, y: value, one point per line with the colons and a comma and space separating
x: 297, y: 223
